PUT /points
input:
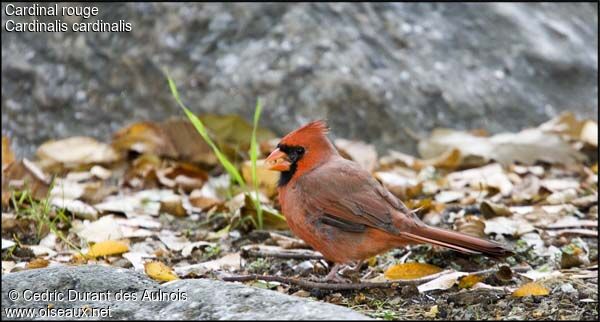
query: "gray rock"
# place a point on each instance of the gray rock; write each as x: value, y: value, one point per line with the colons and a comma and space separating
x: 131, y: 295
x: 376, y: 71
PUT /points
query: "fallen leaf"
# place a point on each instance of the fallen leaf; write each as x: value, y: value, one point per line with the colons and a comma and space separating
x: 160, y: 272
x: 57, y: 155
x: 527, y: 189
x: 531, y: 289
x: 184, y: 176
x: 37, y: 263
x: 7, y: 243
x: 433, y: 312
x: 589, y: 133
x: 229, y: 262
x: 76, y: 207
x: 362, y: 153
x: 409, y: 271
x: 492, y: 175
x: 137, y: 259
x: 563, y: 196
x: 173, y: 205
x: 491, y: 210
x: 103, y: 229
x: 148, y: 138
x: 401, y: 182
x: 527, y: 146
x: 567, y: 124
x: 470, y: 225
x: 107, y: 248
x: 507, y: 226
x: 443, y: 282
x: 266, y: 179
x: 100, y: 172
x: 560, y: 184
x: 536, y: 275
x: 198, y: 200
x: 469, y: 280
x: 447, y: 196
x: 172, y: 241
x: 233, y: 131
x: 504, y: 273
x: 21, y: 175
x: 39, y: 250
x: 7, y: 266
x: 7, y: 154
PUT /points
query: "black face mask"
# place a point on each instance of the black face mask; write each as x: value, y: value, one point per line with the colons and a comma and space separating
x: 294, y: 153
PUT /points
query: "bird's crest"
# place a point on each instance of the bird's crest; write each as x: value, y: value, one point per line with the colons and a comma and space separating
x: 313, y: 129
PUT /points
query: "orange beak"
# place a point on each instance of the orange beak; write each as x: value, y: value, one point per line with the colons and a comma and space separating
x: 278, y: 161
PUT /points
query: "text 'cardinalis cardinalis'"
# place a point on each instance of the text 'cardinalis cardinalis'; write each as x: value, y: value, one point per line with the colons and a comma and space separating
x: 340, y: 210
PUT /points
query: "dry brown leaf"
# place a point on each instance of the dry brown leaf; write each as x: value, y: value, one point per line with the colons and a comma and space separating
x: 531, y: 289
x: 7, y: 153
x: 410, y: 271
x: 159, y: 272
x: 469, y: 280
x: 107, y: 248
x: 491, y: 210
x: 37, y: 263
x: 73, y: 153
x: 198, y: 200
x: 504, y: 273
x: 470, y: 225
x: 183, y: 175
x: 567, y: 124
x: 22, y: 175
x: 358, y: 151
x: 173, y: 205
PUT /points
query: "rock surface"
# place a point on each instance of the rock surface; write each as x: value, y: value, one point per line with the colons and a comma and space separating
x: 185, y: 299
x: 377, y: 71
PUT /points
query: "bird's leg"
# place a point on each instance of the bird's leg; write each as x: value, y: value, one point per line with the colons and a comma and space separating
x: 350, y: 271
x: 333, y: 275
x: 355, y: 268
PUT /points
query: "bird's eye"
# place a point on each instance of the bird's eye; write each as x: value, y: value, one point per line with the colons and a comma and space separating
x: 300, y: 150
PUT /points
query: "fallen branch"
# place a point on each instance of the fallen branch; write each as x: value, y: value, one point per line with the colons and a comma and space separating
x: 306, y: 284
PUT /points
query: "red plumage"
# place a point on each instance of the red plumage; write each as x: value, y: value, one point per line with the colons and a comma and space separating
x: 340, y: 210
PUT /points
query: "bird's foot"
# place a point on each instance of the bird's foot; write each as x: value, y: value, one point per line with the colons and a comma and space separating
x: 334, y: 274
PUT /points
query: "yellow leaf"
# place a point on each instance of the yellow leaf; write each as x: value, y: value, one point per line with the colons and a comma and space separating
x: 7, y: 154
x: 531, y: 288
x: 372, y: 261
x: 160, y: 272
x: 433, y: 312
x: 105, y: 248
x: 37, y: 263
x: 469, y: 280
x: 409, y: 271
x: 266, y: 179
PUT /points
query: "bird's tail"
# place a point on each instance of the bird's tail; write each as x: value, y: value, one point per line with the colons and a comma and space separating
x: 456, y: 241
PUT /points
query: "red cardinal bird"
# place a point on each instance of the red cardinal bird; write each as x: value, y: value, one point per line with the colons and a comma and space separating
x: 340, y: 210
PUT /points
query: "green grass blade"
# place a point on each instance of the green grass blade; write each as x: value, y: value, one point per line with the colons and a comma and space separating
x: 229, y: 167
x: 253, y: 158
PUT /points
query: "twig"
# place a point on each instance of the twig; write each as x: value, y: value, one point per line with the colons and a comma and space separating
x: 255, y: 251
x: 306, y: 284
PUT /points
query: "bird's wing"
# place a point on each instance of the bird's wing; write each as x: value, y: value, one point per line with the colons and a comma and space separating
x: 348, y: 197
